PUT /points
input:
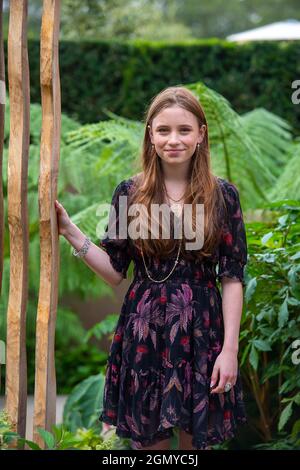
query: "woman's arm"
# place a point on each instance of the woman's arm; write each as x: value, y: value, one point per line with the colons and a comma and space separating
x: 232, y: 306
x: 95, y: 258
x: 226, y: 364
x: 109, y: 260
x: 232, y: 261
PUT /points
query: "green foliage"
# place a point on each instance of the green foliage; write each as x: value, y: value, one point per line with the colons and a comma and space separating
x: 61, y: 438
x: 108, y: 19
x: 101, y: 148
x: 77, y: 363
x: 284, y: 443
x: 238, y: 150
x: 271, y: 319
x: 107, y: 325
x: 83, y: 405
x: 270, y: 138
x: 159, y: 19
x: 81, y: 439
x: 7, y: 436
x: 288, y: 182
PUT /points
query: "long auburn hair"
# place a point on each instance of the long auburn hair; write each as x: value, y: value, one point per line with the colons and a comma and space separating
x: 203, y: 188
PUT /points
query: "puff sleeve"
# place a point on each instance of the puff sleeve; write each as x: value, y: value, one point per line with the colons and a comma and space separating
x: 116, y: 247
x: 233, y: 244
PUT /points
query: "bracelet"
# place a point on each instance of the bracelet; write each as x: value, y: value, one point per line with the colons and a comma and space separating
x: 82, y: 250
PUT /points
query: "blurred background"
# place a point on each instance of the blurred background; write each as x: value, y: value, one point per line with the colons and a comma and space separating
x: 160, y: 19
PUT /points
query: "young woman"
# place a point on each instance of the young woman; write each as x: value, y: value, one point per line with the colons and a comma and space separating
x: 173, y: 359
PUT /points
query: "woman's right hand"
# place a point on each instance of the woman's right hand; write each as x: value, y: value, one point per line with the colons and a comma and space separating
x: 63, y: 220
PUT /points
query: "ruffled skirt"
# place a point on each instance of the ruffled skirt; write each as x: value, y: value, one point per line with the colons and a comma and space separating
x: 160, y: 364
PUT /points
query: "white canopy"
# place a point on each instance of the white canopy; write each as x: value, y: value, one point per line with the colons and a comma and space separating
x: 281, y: 30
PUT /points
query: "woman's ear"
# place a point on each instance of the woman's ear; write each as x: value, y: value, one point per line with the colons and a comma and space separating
x: 202, y: 132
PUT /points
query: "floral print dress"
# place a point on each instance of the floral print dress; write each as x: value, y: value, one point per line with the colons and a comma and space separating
x: 168, y: 337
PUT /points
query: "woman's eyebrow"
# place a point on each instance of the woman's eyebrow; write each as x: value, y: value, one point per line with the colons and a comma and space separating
x: 180, y: 125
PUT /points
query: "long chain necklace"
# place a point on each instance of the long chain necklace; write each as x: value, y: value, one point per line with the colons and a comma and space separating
x: 175, y: 264
x: 164, y: 279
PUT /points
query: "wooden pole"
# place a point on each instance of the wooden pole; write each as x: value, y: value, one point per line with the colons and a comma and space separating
x: 45, y: 380
x: 2, y: 112
x: 18, y: 78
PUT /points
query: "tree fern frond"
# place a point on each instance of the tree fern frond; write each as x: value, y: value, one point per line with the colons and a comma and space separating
x: 117, y: 129
x: 67, y: 124
x: 288, y: 183
x: 117, y: 142
x: 235, y: 155
x: 86, y: 220
x: 271, y: 134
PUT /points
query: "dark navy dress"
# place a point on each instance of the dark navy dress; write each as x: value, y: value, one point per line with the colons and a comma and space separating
x: 168, y: 337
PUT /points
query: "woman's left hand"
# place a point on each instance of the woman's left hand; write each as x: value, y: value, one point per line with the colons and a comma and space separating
x: 226, y: 366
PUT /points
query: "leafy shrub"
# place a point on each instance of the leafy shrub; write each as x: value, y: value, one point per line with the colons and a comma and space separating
x: 271, y: 321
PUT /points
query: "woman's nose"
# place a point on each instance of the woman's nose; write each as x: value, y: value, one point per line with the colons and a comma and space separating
x: 173, y: 138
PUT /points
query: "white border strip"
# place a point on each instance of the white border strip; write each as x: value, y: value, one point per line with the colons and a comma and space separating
x: 2, y: 92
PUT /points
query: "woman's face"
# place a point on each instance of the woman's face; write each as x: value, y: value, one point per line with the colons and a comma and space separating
x: 175, y: 133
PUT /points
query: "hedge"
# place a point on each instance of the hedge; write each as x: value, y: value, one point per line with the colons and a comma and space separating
x: 120, y: 76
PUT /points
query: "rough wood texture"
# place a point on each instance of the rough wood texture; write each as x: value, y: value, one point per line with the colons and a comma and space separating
x: 2, y: 110
x: 45, y: 380
x: 18, y: 79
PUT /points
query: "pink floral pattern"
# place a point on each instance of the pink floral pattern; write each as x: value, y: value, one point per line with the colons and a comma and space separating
x: 168, y: 337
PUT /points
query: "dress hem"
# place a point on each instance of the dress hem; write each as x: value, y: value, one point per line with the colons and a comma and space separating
x: 167, y: 433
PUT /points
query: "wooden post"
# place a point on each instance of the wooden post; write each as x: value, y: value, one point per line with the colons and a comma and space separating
x: 2, y: 111
x: 18, y: 78
x: 45, y: 380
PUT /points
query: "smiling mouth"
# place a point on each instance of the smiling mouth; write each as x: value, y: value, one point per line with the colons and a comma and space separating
x: 175, y: 150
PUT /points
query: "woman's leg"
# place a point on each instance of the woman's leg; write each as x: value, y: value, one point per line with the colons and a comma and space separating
x: 185, y: 441
x: 161, y: 445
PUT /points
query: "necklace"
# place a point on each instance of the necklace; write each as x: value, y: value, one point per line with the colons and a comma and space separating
x: 162, y: 280
x: 169, y: 197
x: 176, y: 208
x: 176, y: 261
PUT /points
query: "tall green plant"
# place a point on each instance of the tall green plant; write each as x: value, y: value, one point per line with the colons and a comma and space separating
x: 270, y: 322
x: 243, y: 147
x: 288, y: 182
